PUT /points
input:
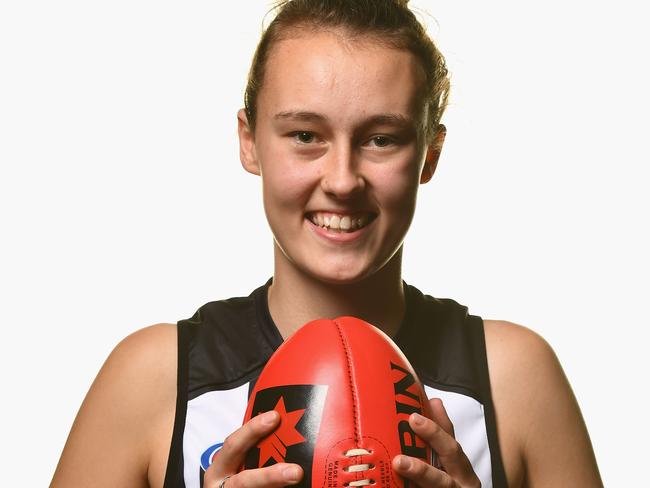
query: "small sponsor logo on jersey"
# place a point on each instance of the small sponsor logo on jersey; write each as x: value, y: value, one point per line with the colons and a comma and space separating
x: 300, y: 408
x: 206, y: 460
x: 407, y: 402
x: 208, y: 455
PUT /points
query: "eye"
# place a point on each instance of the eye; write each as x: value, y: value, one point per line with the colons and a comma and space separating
x: 303, y: 137
x: 381, y: 141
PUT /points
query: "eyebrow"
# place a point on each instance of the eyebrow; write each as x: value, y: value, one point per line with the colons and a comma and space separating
x: 398, y: 120
x: 300, y: 116
x: 393, y: 119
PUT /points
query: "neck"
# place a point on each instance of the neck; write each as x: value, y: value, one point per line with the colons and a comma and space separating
x: 296, y: 298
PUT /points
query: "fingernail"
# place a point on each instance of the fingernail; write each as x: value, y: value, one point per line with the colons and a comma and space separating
x: 403, y: 462
x: 418, y: 419
x: 268, y: 418
x: 290, y: 474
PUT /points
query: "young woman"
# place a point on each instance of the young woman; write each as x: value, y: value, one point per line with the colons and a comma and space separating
x: 342, y: 124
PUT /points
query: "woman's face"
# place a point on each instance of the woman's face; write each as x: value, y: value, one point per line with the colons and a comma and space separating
x: 340, y: 148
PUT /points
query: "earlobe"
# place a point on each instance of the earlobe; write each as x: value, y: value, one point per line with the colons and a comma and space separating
x: 433, y: 155
x: 247, y: 153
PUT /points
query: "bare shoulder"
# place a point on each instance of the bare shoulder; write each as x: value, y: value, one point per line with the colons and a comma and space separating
x: 127, y: 414
x: 543, y: 438
x: 523, y: 369
x: 509, y: 344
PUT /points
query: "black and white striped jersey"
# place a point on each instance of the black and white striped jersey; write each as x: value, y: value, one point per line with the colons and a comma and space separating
x: 223, y: 347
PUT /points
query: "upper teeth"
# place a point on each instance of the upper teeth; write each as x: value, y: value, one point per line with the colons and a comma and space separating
x: 339, y: 222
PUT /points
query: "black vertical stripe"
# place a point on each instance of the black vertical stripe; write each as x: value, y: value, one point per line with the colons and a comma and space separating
x: 477, y: 339
x: 251, y: 386
x: 174, y: 476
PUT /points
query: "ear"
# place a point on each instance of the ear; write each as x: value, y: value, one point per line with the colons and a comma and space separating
x: 247, y: 153
x: 433, y: 155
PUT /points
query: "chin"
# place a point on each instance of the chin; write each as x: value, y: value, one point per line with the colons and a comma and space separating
x: 344, y: 276
x: 339, y: 280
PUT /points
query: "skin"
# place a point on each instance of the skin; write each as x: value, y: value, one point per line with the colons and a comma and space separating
x: 345, y: 159
x: 354, y: 161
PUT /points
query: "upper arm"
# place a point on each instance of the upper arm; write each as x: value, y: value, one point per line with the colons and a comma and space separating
x: 112, y: 439
x: 538, y: 418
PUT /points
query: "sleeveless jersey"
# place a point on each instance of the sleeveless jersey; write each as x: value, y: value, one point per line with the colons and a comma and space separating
x: 224, y: 346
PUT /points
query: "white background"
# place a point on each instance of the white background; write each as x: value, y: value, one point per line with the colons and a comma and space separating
x: 123, y: 204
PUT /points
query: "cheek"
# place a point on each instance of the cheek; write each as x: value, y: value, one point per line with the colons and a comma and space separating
x: 286, y: 187
x: 285, y: 182
x: 399, y: 189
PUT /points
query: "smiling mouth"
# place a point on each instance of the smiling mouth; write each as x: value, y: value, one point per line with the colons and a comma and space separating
x: 341, y: 222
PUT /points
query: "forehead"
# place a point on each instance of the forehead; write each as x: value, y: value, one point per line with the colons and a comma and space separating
x: 342, y: 78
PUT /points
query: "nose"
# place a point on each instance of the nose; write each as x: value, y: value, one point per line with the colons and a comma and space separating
x: 341, y: 177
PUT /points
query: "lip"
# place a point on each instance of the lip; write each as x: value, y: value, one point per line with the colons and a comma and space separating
x: 338, y: 237
x: 354, y: 214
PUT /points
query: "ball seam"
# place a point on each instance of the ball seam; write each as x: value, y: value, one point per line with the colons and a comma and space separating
x: 353, y: 389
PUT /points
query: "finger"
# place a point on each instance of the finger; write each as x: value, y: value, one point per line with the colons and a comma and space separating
x: 276, y: 476
x: 231, y: 455
x: 440, y: 417
x: 450, y: 454
x: 421, y: 473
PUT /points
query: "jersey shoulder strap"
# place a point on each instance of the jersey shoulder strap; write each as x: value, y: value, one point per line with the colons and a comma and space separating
x: 224, y: 345
x: 227, y: 342
x: 446, y: 346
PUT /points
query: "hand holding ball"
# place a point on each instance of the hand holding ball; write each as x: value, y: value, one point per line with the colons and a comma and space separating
x: 344, y: 392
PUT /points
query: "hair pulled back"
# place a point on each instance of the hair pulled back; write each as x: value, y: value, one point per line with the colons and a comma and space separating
x: 389, y: 21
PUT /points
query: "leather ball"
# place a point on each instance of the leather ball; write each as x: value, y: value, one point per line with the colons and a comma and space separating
x: 344, y: 392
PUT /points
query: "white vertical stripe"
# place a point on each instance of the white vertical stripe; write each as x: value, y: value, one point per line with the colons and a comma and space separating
x: 211, y: 417
x: 468, y: 418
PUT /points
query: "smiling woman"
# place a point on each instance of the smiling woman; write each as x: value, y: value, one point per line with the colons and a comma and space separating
x: 342, y: 123
x: 320, y: 157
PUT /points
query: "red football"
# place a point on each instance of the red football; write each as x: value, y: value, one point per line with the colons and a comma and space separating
x: 344, y: 392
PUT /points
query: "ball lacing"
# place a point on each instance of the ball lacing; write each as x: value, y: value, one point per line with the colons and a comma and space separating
x: 355, y: 468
